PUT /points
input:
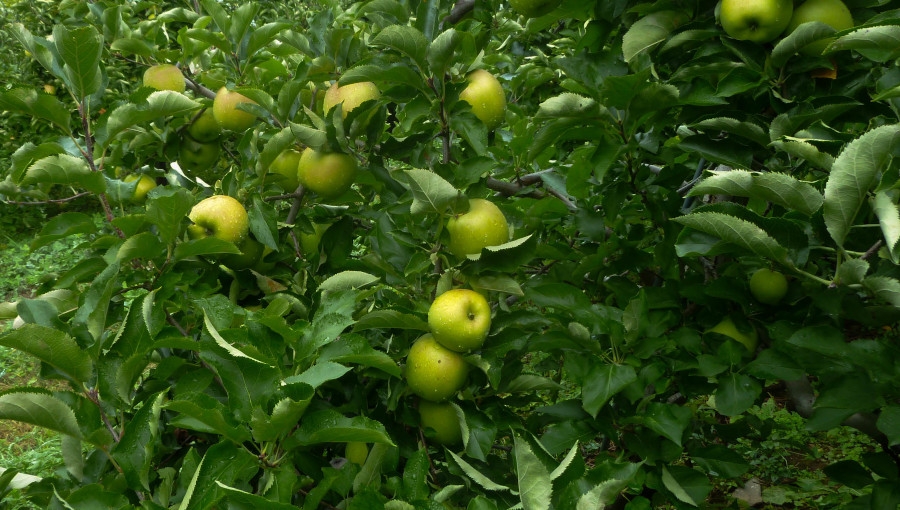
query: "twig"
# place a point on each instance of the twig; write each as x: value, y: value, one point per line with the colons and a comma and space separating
x: 459, y: 11
x: 50, y: 201
x: 873, y: 250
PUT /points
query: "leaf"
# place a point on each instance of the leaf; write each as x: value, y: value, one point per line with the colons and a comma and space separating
x: 142, y: 246
x: 80, y: 50
x: 204, y: 246
x: 202, y: 413
x: 688, y: 485
x: 802, y: 149
x: 357, y: 350
x: 668, y: 420
x: 778, y: 188
x: 167, y: 209
x: 95, y: 304
x: 35, y: 104
x: 232, y: 350
x: 854, y: 173
x: 405, y: 40
x: 535, y: 486
x: 607, y: 492
x: 566, y: 462
x: 889, y: 423
x: 390, y: 319
x: 470, y: 471
x: 736, y: 393
x: 720, y: 461
x: 727, y: 151
x: 878, y: 43
x: 62, y: 226
x: 772, y: 364
x: 441, y: 51
x: 285, y: 415
x: 737, y: 231
x: 223, y: 463
x: 649, y: 31
x: 248, y: 500
x: 65, y: 170
x: 136, y: 447
x: 431, y: 193
x: 802, y: 36
x: 41, y: 409
x: 330, y: 426
x: 53, y: 347
x: 318, y: 374
x: 885, y: 207
x: 885, y: 288
x: 162, y: 103
x: 602, y: 383
x: 748, y: 130
x: 347, y: 280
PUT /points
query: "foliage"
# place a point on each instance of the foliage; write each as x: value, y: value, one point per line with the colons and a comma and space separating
x: 647, y: 165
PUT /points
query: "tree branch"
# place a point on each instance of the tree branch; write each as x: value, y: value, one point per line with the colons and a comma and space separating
x: 459, y: 11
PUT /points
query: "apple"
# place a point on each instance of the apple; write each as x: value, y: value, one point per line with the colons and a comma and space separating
x: 441, y: 417
x: 356, y: 452
x: 482, y: 225
x: 309, y: 242
x: 228, y: 115
x: 144, y: 185
x: 768, y: 286
x: 220, y: 216
x: 460, y: 319
x: 833, y: 13
x: 329, y: 174
x: 194, y: 156
x: 252, y: 251
x: 534, y: 8
x: 349, y: 96
x: 433, y: 371
x: 205, y: 128
x: 164, y: 77
x: 485, y: 94
x: 757, y: 21
x: 747, y: 336
x: 286, y: 165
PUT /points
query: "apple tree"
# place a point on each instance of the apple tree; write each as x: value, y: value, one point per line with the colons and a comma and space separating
x: 646, y: 164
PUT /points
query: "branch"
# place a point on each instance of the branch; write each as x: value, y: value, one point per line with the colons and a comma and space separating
x: 511, y: 189
x: 459, y: 11
x: 50, y: 201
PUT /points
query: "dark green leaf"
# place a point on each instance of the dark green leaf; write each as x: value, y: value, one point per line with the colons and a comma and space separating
x: 736, y: 393
x: 41, y: 409
x: 330, y: 426
x: 53, y: 347
x: 535, y: 486
x: 65, y: 170
x: 603, y: 382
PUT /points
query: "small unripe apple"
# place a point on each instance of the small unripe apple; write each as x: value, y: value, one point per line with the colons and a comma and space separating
x: 228, y: 115
x: 442, y: 418
x: 460, y: 319
x: 349, y: 96
x: 329, y: 174
x: 205, y: 128
x: 757, y: 21
x: 481, y: 226
x: 219, y: 216
x: 164, y: 77
x: 286, y: 165
x: 485, y: 94
x: 144, y: 185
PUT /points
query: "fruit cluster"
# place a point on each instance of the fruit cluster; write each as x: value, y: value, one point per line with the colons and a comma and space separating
x: 762, y: 21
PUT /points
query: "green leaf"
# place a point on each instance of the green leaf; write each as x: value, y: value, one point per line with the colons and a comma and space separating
x: 470, y: 471
x: 28, y: 153
x: 889, y: 423
x: 535, y: 486
x: 878, y: 43
x: 399, y: 73
x: 95, y: 305
x: 688, y: 485
x: 248, y: 500
x: 319, y: 374
x: 142, y: 246
x: 442, y: 50
x: 330, y: 426
x: 802, y: 149
x: 850, y: 473
x: 885, y: 288
x: 35, y: 104
x: 204, y: 246
x: 224, y: 464
x: 736, y: 393
x: 720, y: 461
x: 167, y: 209
x: 607, y: 492
x: 202, y: 413
x: 852, y: 271
x: 357, y: 350
x: 390, y: 319
x: 780, y: 189
x: 80, y: 50
x: 415, y: 476
x: 224, y: 344
x: 162, y: 103
x: 668, y: 420
x: 62, y: 226
x: 405, y: 40
x: 737, y: 231
x: 497, y: 283
x: 347, y: 280
x: 285, y: 415
x: 854, y: 173
x: 431, y: 193
x: 53, y: 347
x: 649, y: 31
x: 885, y: 207
x: 772, y: 364
x: 41, y: 409
x: 727, y: 151
x: 802, y: 36
x: 602, y: 383
x: 135, y: 450
x: 65, y: 170
x: 749, y: 130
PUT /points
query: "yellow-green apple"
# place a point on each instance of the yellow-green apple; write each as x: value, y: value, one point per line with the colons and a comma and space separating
x: 286, y: 165
x: 433, y: 371
x: 460, y: 319
x: 485, y: 94
x: 356, y: 452
x: 482, y: 225
x: 441, y: 417
x: 349, y: 96
x: 227, y: 114
x: 534, y: 8
x: 219, y: 216
x: 768, y: 286
x: 329, y: 174
x: 757, y: 21
x: 144, y: 185
x: 205, y: 128
x: 164, y: 77
x: 833, y: 13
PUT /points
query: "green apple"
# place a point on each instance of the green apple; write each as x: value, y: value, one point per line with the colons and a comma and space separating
x: 481, y: 226
x: 485, y: 94
x: 833, y: 13
x: 252, y: 251
x: 205, y: 128
x: 534, y: 8
x: 228, y: 115
x: 144, y: 185
x: 197, y: 157
x: 219, y: 216
x: 329, y: 174
x: 349, y: 96
x: 757, y: 21
x: 164, y: 77
x: 768, y: 286
x: 356, y: 452
x: 433, y: 371
x: 747, y: 337
x: 441, y: 417
x: 310, y: 242
x: 286, y: 165
x: 460, y: 319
